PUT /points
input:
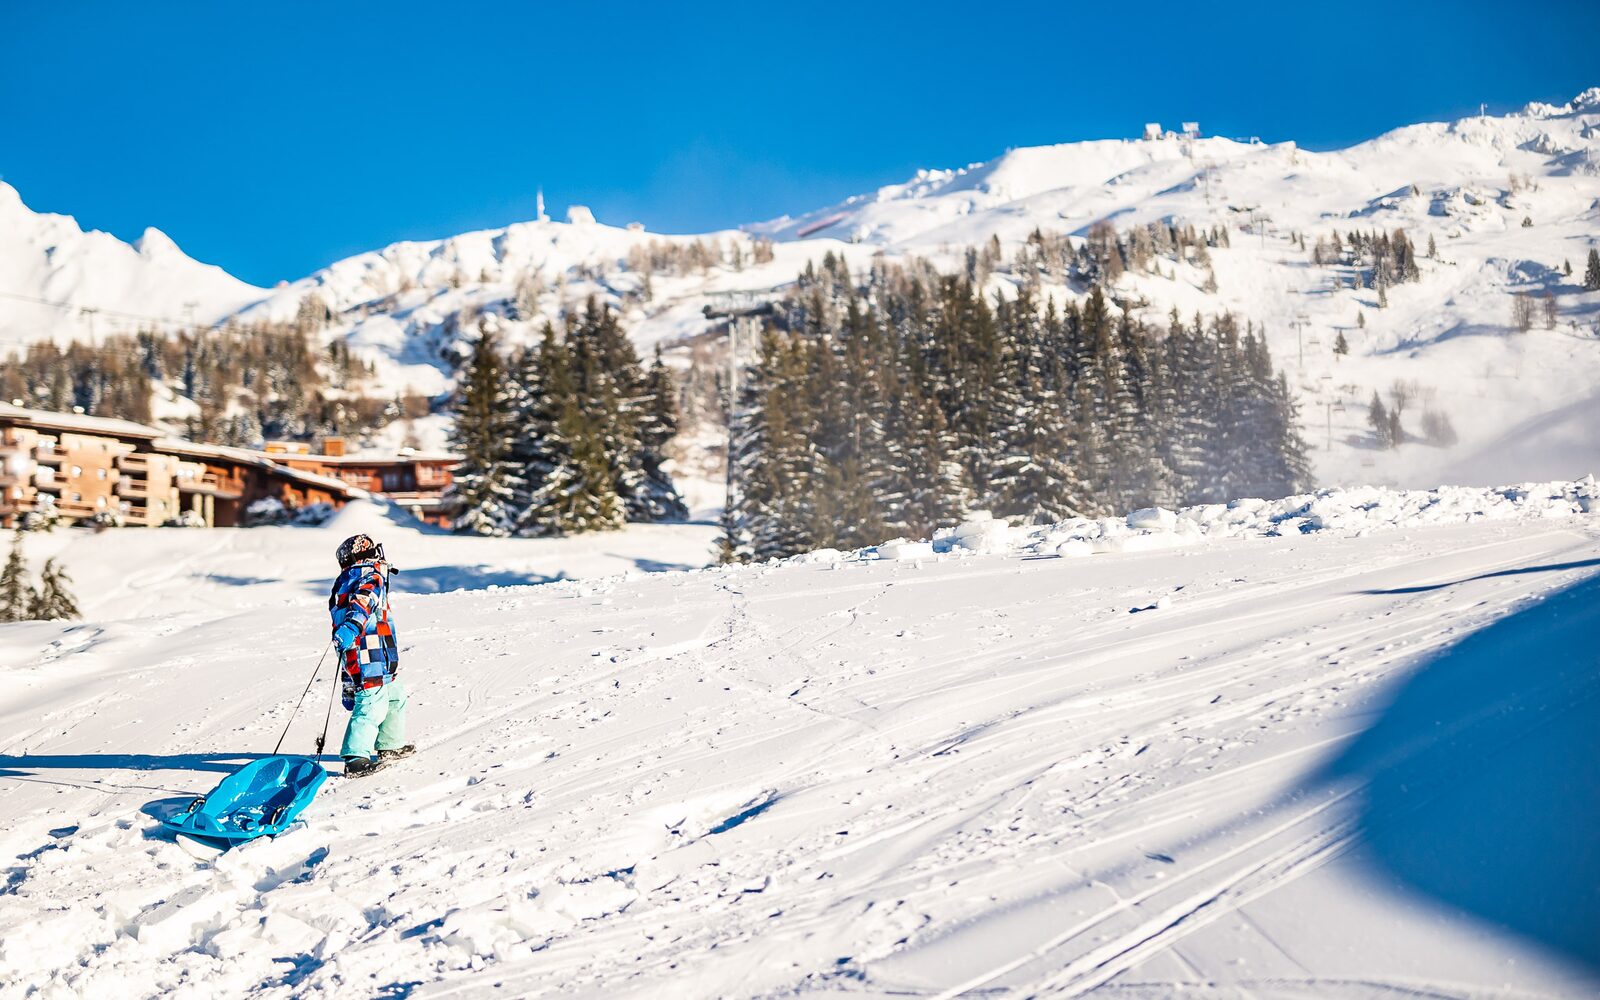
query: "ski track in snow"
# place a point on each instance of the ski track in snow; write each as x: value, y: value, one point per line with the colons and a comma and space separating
x: 969, y: 776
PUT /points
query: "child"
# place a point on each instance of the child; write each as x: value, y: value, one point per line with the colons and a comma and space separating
x: 359, y: 604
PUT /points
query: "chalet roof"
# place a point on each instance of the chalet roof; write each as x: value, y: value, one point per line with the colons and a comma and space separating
x: 82, y: 423
x: 261, y: 460
x: 374, y: 458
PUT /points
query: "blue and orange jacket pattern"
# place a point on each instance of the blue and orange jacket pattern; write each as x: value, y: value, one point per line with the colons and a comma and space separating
x: 360, y: 598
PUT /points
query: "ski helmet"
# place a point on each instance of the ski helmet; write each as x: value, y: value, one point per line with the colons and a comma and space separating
x: 358, y: 548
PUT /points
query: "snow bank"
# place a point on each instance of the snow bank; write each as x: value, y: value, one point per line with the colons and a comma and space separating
x: 1353, y: 511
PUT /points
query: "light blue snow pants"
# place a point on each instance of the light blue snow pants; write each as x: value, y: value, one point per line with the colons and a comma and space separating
x: 378, y: 721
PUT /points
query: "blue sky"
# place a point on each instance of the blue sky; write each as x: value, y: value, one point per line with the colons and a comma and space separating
x: 275, y: 138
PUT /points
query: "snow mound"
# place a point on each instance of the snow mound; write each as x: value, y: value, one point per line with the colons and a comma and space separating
x: 1352, y: 511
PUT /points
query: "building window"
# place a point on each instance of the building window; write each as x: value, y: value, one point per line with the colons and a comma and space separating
x: 100, y: 473
x: 77, y: 470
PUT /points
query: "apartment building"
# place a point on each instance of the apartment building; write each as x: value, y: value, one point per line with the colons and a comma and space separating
x: 414, y: 479
x: 85, y: 468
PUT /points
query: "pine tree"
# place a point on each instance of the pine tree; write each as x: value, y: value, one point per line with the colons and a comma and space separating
x: 772, y: 453
x: 1341, y: 346
x: 658, y: 499
x: 1378, y: 418
x: 54, y: 602
x: 1591, y: 274
x: 486, y: 482
x: 615, y: 396
x: 1035, y: 476
x: 571, y: 484
x: 1433, y: 248
x: 537, y: 452
x: 17, y: 597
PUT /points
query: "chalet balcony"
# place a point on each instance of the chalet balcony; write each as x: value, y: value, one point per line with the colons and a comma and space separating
x: 76, y: 508
x: 135, y: 464
x: 209, y: 485
x: 47, y: 455
x: 133, y: 488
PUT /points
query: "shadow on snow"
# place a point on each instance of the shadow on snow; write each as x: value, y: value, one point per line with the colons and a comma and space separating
x: 31, y: 765
x: 442, y: 579
x: 1547, y: 568
x: 1482, y: 775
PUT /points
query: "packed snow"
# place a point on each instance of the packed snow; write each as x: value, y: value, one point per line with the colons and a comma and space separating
x: 1337, y: 745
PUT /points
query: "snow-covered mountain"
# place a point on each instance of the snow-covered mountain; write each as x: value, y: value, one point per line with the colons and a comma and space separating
x: 1508, y: 200
x: 62, y: 283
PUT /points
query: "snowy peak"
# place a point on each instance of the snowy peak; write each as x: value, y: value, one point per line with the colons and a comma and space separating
x: 10, y: 201
x: 154, y: 243
x: 1588, y: 101
x: 923, y: 208
x: 64, y: 283
x: 1068, y: 186
x: 490, y: 256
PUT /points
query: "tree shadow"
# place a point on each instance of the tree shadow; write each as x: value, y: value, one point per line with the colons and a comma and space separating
x: 31, y: 765
x: 442, y: 579
x: 647, y: 565
x: 240, y: 581
x: 1482, y: 776
x: 1546, y: 568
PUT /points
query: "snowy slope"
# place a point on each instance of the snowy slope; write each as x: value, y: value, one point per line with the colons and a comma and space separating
x: 1352, y: 759
x: 1449, y: 332
x: 410, y: 305
x: 1521, y: 403
x: 405, y: 306
x: 52, y: 271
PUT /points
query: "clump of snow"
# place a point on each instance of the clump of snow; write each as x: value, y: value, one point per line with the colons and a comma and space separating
x: 980, y: 532
x: 1153, y: 519
x: 905, y: 550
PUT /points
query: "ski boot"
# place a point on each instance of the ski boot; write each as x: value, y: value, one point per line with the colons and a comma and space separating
x: 356, y: 767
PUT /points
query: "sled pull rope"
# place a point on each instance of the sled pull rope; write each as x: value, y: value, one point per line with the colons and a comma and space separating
x: 297, y: 704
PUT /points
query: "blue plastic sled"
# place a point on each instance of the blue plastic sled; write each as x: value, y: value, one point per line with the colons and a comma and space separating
x: 260, y: 799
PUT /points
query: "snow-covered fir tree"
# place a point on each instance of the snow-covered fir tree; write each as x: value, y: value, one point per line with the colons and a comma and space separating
x: 54, y: 601
x: 569, y: 482
x: 658, y: 498
x: 483, y: 495
x: 17, y: 597
x: 897, y: 403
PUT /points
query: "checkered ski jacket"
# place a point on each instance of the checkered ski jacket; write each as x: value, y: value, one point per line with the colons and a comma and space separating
x: 359, y: 604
